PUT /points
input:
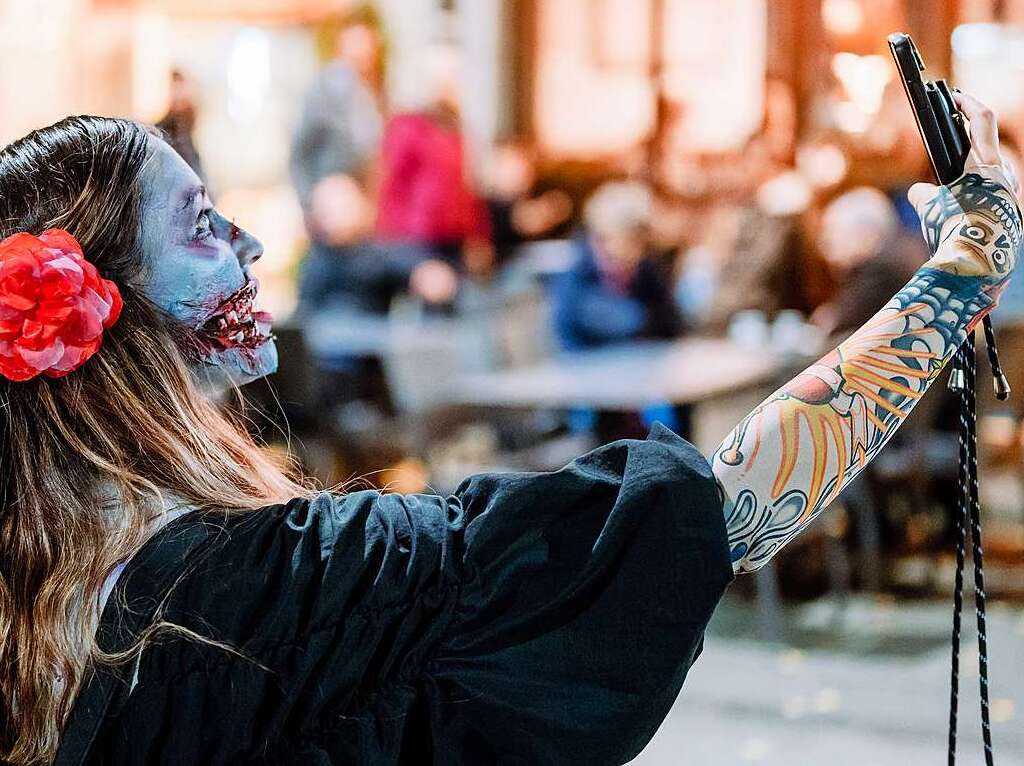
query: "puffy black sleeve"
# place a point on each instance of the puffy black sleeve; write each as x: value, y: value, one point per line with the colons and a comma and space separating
x: 584, y: 599
x: 528, y: 618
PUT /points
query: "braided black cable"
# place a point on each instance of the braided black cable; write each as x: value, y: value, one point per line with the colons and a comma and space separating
x: 958, y: 587
x: 969, y: 403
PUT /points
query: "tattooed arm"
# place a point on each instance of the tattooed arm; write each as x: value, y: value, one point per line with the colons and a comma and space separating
x: 791, y: 456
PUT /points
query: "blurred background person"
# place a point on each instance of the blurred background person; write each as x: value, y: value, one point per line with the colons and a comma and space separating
x: 615, y: 291
x: 348, y: 280
x: 869, y: 254
x: 743, y: 258
x: 179, y: 123
x: 347, y: 268
x: 339, y: 127
x: 426, y: 196
x: 518, y: 213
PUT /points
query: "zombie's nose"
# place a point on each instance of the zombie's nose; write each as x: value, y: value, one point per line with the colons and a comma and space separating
x: 246, y: 246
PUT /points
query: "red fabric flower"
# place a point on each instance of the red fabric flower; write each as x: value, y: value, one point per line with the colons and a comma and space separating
x: 54, y: 306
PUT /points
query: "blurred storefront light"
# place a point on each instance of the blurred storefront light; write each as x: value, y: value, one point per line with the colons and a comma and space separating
x: 596, y: 87
x: 786, y: 194
x: 715, y: 69
x: 863, y: 79
x: 248, y: 75
x: 249, y: 11
x: 621, y: 31
x: 59, y: 58
x: 151, y: 63
x: 988, y: 61
x: 842, y: 17
x: 579, y: 109
x: 822, y: 164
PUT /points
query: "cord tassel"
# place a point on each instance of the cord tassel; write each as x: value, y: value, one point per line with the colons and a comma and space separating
x: 1000, y: 384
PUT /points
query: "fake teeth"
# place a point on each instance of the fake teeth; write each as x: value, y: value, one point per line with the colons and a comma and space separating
x: 236, y: 323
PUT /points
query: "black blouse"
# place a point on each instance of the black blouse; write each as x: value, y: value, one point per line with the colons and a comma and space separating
x: 527, y: 619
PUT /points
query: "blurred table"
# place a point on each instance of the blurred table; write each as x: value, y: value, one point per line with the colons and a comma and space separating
x: 627, y: 377
x: 545, y: 258
x: 337, y: 333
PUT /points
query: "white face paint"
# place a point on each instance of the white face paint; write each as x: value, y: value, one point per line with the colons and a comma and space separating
x: 197, y: 270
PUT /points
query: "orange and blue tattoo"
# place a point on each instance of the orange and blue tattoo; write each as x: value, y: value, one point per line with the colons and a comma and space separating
x: 795, y: 452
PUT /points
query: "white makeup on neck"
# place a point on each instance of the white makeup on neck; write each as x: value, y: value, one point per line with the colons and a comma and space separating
x: 197, y: 270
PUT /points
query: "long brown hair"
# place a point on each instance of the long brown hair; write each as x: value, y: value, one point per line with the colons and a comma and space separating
x: 130, y: 423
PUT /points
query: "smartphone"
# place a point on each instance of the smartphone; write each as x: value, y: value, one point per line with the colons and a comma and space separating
x: 943, y: 127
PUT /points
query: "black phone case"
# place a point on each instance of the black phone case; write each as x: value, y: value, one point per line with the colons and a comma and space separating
x: 943, y: 128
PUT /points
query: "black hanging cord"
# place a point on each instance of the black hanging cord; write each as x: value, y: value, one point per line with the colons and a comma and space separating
x: 999, y: 382
x: 957, y: 383
x: 963, y: 379
x: 976, y: 551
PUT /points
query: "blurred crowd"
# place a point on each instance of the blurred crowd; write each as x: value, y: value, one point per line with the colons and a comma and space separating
x: 670, y: 245
x: 392, y: 207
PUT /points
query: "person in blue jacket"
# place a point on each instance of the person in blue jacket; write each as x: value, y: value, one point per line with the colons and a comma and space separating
x: 615, y: 291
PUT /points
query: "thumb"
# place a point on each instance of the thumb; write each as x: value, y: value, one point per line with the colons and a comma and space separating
x: 920, y: 194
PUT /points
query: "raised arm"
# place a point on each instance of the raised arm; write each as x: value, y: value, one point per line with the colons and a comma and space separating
x: 790, y: 457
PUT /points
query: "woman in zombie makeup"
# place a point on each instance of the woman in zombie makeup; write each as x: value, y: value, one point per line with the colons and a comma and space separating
x: 171, y: 594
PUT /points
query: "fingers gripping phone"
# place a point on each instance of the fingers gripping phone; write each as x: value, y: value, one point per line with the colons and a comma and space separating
x: 943, y: 127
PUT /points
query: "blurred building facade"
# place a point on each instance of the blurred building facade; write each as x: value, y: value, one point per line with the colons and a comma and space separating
x: 675, y: 91
x: 586, y: 79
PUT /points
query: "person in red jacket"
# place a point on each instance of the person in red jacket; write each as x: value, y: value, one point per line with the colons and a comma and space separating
x: 425, y: 196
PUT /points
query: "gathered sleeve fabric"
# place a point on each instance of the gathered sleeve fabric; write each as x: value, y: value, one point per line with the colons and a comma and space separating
x: 529, y: 618
x: 584, y: 600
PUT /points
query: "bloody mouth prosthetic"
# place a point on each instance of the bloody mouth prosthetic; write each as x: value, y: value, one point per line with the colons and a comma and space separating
x: 235, y: 324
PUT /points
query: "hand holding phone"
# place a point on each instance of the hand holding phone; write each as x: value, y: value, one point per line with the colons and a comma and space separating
x: 973, y: 224
x: 942, y: 125
x: 978, y: 210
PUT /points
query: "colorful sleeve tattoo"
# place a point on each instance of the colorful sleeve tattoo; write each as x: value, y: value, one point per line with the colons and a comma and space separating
x: 791, y: 456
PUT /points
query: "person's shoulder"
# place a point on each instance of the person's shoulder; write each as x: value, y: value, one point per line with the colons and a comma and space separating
x: 327, y: 515
x: 284, y: 571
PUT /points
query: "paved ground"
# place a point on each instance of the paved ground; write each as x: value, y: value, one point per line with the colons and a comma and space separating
x: 866, y: 688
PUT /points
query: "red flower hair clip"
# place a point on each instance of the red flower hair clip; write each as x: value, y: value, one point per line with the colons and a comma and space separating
x: 54, y: 306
